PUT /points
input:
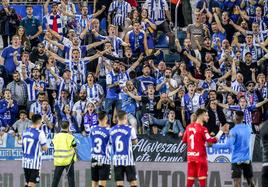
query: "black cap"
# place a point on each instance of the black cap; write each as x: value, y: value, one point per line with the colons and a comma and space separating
x: 249, y: 82
x: 248, y: 53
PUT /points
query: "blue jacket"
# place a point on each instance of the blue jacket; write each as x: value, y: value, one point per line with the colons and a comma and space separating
x: 177, y: 127
x: 8, y: 115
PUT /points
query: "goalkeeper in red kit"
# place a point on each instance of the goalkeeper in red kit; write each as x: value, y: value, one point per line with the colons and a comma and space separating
x: 196, y: 136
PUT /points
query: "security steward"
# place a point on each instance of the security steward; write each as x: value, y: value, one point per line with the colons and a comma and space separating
x: 64, y: 155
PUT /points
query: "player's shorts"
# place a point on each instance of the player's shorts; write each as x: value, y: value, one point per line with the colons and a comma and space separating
x: 237, y: 170
x: 31, y: 175
x: 100, y: 172
x: 264, y: 176
x: 119, y: 173
x: 197, y: 169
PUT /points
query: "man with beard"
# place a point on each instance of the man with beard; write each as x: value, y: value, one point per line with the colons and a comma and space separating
x: 34, y: 84
x: 55, y: 18
x: 80, y: 107
x: 94, y: 91
x: 255, y: 50
x: 77, y: 65
x: 247, y: 66
x: 35, y: 108
x: 32, y: 26
x: 113, y: 80
x: 188, y: 55
x: 75, y: 45
x: 18, y: 90
x: 206, y: 48
x: 146, y: 79
x: 129, y: 103
x: 48, y: 120
x: 63, y: 99
x: 8, y: 111
x: 166, y: 84
x: 38, y: 56
x: 148, y: 106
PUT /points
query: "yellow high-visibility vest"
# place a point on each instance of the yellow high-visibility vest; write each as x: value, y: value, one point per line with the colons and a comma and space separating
x: 63, y: 150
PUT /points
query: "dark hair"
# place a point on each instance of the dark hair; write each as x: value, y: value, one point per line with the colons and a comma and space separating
x: 200, y: 111
x: 132, y: 74
x: 101, y: 115
x: 29, y: 6
x: 22, y: 112
x: 64, y: 124
x: 41, y: 93
x: 239, y: 116
x: 121, y: 114
x: 36, y: 118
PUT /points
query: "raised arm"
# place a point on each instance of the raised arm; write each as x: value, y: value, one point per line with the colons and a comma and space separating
x: 189, y: 75
x: 96, y: 44
x: 55, y: 43
x: 218, y: 23
x: 97, y: 55
x: 136, y: 63
x: 238, y: 27
x: 233, y: 70
x: 225, y: 76
x: 193, y: 59
x: 46, y: 7
x: 57, y: 57
x: 178, y: 45
x: 136, y: 97
x: 55, y: 34
x: 99, y: 12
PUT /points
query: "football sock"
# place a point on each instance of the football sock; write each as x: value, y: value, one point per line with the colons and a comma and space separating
x: 190, y: 183
x: 203, y: 182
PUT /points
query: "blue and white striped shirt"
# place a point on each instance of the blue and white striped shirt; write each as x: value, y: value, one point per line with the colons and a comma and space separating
x: 238, y: 87
x: 69, y: 85
x: 78, y: 71
x: 94, y: 93
x: 121, y: 10
x: 32, y: 141
x: 247, y: 112
x: 33, y: 86
x: 116, y: 43
x: 100, y: 150
x: 81, y: 22
x: 121, y: 137
x: 36, y: 107
x: 156, y: 10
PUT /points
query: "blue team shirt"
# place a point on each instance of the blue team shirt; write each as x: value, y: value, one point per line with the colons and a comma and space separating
x: 7, y: 54
x: 32, y: 141
x: 8, y: 115
x: 121, y: 137
x: 146, y: 81
x: 100, y: 150
x: 239, y: 141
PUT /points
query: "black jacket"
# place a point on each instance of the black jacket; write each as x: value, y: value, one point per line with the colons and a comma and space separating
x: 211, y: 125
x: 8, y: 23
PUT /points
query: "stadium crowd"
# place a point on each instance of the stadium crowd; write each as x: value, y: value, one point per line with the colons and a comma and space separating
x: 67, y: 67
